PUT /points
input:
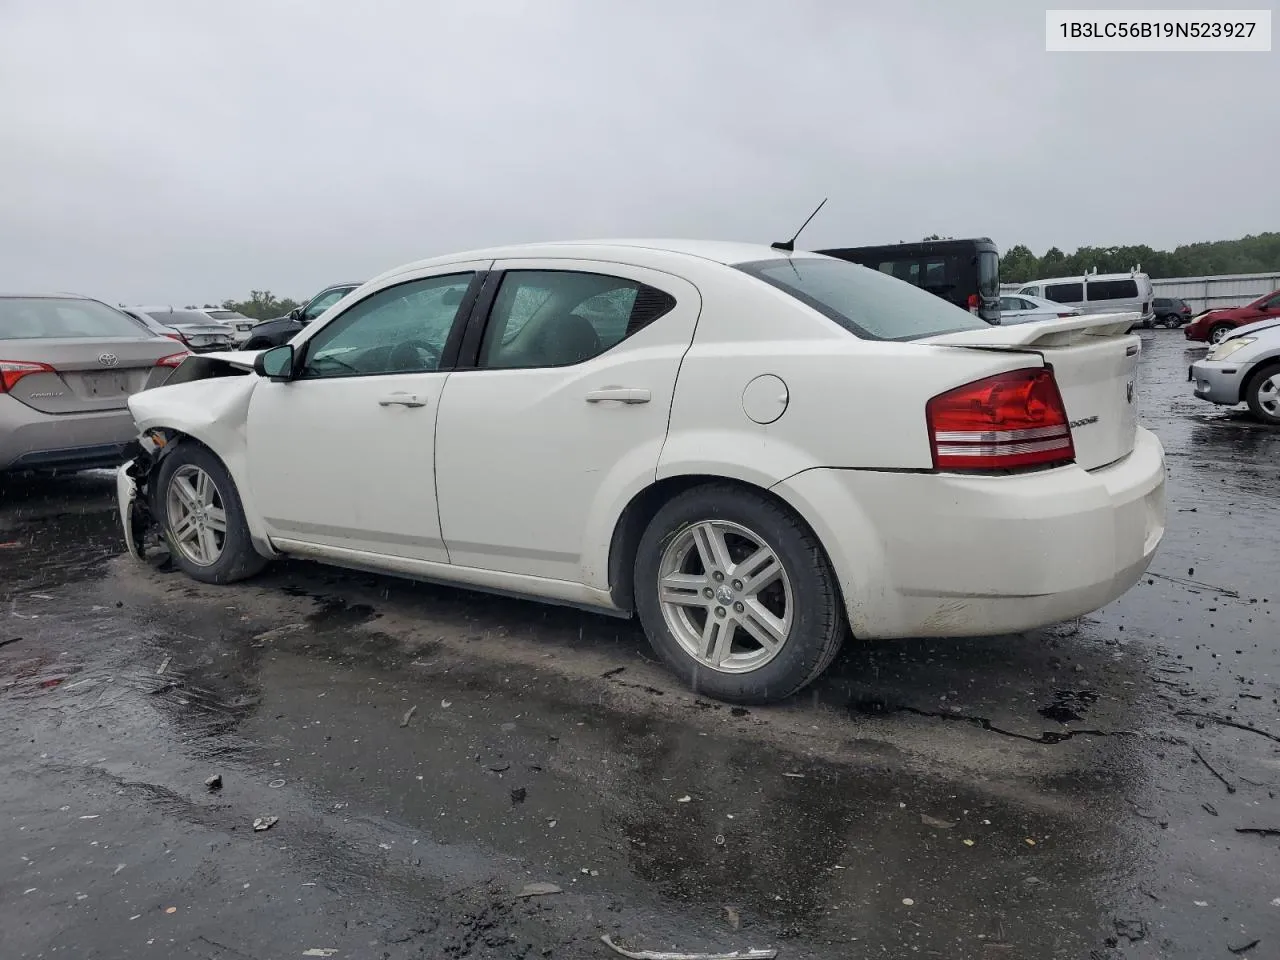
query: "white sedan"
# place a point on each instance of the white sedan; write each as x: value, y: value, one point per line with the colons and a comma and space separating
x: 1020, y: 308
x: 755, y: 451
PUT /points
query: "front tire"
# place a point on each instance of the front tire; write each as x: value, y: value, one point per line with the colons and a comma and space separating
x: 1216, y: 333
x: 736, y: 595
x: 1263, y: 394
x: 202, y: 518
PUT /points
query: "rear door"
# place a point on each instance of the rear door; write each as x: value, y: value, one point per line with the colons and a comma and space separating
x: 563, y: 415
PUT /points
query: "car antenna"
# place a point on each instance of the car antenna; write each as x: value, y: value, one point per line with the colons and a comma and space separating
x: 790, y: 245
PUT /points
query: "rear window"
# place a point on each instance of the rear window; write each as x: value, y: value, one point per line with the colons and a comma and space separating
x: 226, y: 315
x: 988, y: 274
x: 1064, y: 292
x: 49, y: 318
x: 867, y: 303
x: 1113, y: 290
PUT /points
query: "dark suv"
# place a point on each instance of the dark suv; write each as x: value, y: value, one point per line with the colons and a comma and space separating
x: 1170, y: 312
x: 272, y: 333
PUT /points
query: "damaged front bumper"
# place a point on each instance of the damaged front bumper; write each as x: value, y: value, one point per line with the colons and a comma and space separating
x: 133, y: 498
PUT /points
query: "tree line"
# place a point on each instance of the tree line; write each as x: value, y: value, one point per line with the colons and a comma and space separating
x: 1251, y: 254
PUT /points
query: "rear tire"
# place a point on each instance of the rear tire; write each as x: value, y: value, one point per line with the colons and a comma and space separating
x: 1262, y: 393
x: 757, y: 621
x: 200, y: 514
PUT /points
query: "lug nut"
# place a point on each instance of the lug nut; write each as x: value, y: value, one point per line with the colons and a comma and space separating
x: 708, y: 592
x: 738, y: 607
x: 717, y: 576
x: 737, y: 584
x: 719, y: 611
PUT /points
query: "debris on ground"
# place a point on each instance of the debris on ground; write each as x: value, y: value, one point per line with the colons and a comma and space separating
x: 408, y: 715
x: 929, y: 821
x: 1245, y: 948
x: 794, y: 776
x: 733, y: 918
x: 685, y: 799
x: 320, y: 952
x: 539, y: 889
x: 612, y: 673
x: 517, y: 795
x: 1208, y: 766
x: 164, y: 665
x: 265, y: 823
x: 276, y: 784
x: 501, y: 766
x: 214, y: 782
x: 1260, y: 831
x: 1210, y: 809
x: 661, y: 955
x: 5, y: 643
x: 1132, y: 930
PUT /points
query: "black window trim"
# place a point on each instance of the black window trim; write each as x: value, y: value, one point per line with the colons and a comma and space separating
x: 452, y: 343
x: 472, y: 341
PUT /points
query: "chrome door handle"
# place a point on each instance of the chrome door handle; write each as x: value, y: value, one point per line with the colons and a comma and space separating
x: 619, y: 395
x: 402, y: 400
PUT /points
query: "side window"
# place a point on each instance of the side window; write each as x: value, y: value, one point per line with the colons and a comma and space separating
x: 402, y: 329
x: 1064, y: 292
x: 556, y: 318
x: 1029, y: 291
x: 1010, y: 303
x: 908, y: 270
x: 1273, y: 303
x: 323, y: 302
x: 1113, y: 290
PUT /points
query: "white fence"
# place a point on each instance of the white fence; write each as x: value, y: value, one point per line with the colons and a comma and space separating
x: 1205, y: 293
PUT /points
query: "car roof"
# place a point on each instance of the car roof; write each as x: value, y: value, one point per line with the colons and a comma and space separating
x: 10, y: 295
x: 718, y: 251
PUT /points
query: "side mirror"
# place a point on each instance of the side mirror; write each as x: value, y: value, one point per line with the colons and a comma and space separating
x: 275, y: 364
x: 295, y: 313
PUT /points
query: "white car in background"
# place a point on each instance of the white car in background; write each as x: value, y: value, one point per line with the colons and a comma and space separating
x: 753, y: 450
x: 1024, y: 308
x: 237, y: 321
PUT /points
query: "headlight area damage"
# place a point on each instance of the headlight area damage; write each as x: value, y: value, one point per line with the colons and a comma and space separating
x: 193, y: 410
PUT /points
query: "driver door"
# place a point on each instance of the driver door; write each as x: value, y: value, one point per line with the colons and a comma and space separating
x: 341, y: 458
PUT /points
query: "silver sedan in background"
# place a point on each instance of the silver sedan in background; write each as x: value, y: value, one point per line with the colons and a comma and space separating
x: 1020, y: 308
x: 1243, y: 367
x: 68, y: 366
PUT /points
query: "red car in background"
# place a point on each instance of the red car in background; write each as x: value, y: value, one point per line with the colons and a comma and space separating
x: 1216, y: 324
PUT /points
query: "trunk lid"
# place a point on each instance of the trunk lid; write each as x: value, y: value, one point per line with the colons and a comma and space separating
x: 87, y: 375
x: 1094, y: 359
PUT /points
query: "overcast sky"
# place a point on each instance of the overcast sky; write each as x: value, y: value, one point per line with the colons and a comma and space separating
x: 156, y: 150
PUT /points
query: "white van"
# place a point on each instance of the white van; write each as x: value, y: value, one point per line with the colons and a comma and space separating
x: 1100, y: 293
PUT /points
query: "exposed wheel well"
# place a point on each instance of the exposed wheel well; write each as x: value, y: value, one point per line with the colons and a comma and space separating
x: 642, y: 509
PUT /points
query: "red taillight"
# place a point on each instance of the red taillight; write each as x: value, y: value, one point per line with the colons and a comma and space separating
x: 11, y: 371
x: 974, y: 303
x: 1006, y: 422
x: 173, y: 360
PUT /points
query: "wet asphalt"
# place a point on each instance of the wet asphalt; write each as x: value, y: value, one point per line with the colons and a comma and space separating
x: 1101, y: 789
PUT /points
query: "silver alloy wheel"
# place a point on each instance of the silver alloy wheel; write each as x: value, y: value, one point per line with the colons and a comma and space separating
x: 725, y: 596
x: 1217, y: 334
x: 196, y: 514
x: 1268, y: 394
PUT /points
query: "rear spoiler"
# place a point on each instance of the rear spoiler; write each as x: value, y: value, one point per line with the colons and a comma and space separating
x: 1058, y: 332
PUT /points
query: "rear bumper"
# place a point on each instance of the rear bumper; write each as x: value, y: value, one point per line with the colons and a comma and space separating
x: 942, y: 555
x: 1218, y: 382
x: 31, y: 440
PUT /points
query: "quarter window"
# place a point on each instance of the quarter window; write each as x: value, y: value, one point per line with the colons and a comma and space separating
x: 556, y: 318
x: 401, y: 329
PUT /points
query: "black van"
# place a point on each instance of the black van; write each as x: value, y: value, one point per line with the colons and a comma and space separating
x: 964, y: 272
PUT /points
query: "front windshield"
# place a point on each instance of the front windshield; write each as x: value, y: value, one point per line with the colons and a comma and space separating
x: 867, y: 303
